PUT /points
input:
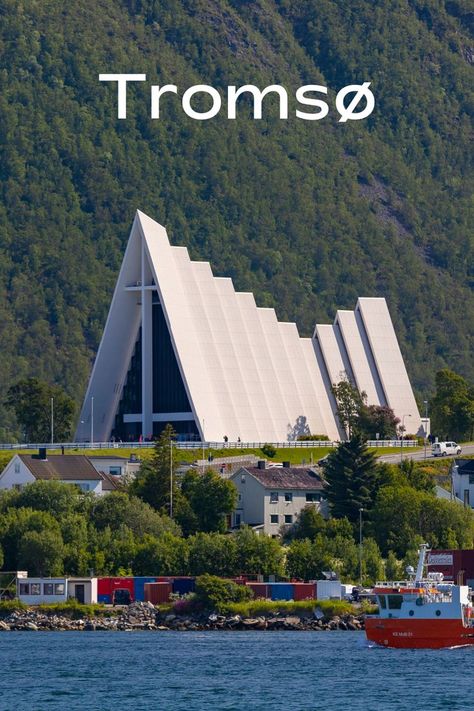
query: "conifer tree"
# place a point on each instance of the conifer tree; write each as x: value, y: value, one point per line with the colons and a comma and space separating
x: 352, y: 479
x: 153, y: 484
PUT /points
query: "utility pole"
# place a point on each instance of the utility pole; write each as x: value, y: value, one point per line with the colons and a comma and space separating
x: 360, y: 546
x: 92, y: 420
x: 52, y: 421
x: 426, y: 423
x: 171, y: 477
x: 401, y: 437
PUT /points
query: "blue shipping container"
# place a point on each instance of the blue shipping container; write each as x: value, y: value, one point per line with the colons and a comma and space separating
x: 104, y: 599
x: 281, y: 591
x: 183, y: 586
x: 139, y: 587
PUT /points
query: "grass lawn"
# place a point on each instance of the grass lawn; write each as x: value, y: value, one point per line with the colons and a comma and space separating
x: 287, y: 454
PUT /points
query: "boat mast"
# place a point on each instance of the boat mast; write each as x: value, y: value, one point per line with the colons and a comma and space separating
x: 421, y: 561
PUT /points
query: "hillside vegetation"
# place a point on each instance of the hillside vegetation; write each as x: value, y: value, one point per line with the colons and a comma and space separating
x: 308, y: 215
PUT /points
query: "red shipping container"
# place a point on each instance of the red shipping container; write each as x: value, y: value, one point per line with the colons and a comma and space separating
x: 304, y: 591
x: 260, y: 590
x: 157, y: 593
x: 104, y: 586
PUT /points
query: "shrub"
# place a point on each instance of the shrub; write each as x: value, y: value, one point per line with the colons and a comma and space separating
x: 9, y: 606
x: 268, y: 450
x: 313, y: 438
x: 215, y: 593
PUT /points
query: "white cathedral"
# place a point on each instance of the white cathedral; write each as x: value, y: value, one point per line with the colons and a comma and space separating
x: 182, y: 346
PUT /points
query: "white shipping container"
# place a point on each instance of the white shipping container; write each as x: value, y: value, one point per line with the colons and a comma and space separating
x: 328, y: 589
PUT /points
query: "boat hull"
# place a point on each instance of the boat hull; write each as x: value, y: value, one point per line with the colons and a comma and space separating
x: 418, y: 634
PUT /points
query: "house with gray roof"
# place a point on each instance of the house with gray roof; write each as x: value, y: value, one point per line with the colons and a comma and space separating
x: 272, y: 498
x: 76, y: 469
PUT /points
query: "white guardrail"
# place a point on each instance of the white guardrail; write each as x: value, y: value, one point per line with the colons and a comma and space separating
x: 205, y: 445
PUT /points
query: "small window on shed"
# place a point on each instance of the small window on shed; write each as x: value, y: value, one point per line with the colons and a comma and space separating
x: 48, y: 588
x: 24, y: 588
x: 35, y: 588
x: 59, y: 588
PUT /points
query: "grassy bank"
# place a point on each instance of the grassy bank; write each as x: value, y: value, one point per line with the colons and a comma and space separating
x: 284, y: 454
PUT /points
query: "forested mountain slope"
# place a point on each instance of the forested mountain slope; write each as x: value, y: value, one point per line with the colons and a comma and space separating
x: 308, y: 215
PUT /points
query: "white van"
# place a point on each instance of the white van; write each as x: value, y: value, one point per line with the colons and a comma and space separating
x: 442, y: 449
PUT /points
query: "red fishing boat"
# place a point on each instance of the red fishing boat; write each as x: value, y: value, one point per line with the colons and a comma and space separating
x: 422, y: 612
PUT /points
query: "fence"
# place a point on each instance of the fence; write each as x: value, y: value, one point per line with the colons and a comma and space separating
x: 204, y: 445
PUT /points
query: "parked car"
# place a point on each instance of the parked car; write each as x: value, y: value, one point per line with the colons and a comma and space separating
x: 442, y: 449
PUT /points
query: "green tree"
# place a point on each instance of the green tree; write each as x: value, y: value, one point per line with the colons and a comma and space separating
x: 258, y: 553
x: 119, y: 509
x: 307, y: 525
x: 55, y: 497
x: 1, y: 558
x: 153, y: 481
x: 306, y: 560
x: 211, y: 497
x: 393, y: 567
x: 376, y: 420
x: 30, y: 399
x: 372, y: 562
x: 166, y: 555
x: 349, y: 404
x: 352, y: 479
x: 41, y: 553
x: 452, y: 408
x: 212, y: 553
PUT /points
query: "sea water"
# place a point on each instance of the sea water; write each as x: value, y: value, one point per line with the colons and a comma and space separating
x: 197, y: 671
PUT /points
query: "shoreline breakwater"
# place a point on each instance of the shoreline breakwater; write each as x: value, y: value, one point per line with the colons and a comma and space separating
x: 145, y: 616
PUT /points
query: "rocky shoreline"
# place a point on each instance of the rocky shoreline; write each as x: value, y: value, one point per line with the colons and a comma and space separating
x: 144, y: 616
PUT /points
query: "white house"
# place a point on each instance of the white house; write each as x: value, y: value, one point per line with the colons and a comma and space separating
x: 462, y: 478
x: 271, y: 498
x: 24, y: 469
x: 36, y: 591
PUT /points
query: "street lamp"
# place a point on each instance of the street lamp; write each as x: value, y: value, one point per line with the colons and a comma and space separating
x: 425, y: 402
x: 401, y: 438
x: 92, y: 420
x: 360, y: 546
x: 52, y: 421
x: 171, y: 476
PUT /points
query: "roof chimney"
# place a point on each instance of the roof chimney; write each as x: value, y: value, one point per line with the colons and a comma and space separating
x: 261, y: 464
x: 42, y: 454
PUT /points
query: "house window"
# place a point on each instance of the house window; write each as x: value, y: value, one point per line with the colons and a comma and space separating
x: 471, y: 478
x: 84, y: 487
x: 115, y: 471
x: 24, y: 588
x: 288, y: 518
x: 466, y: 497
x: 17, y: 467
x: 239, y: 498
x: 288, y: 496
x: 274, y: 497
x: 59, y: 588
x: 311, y: 497
x: 237, y: 519
x: 273, y: 518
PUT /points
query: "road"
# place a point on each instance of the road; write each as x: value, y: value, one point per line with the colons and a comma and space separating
x: 467, y: 449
